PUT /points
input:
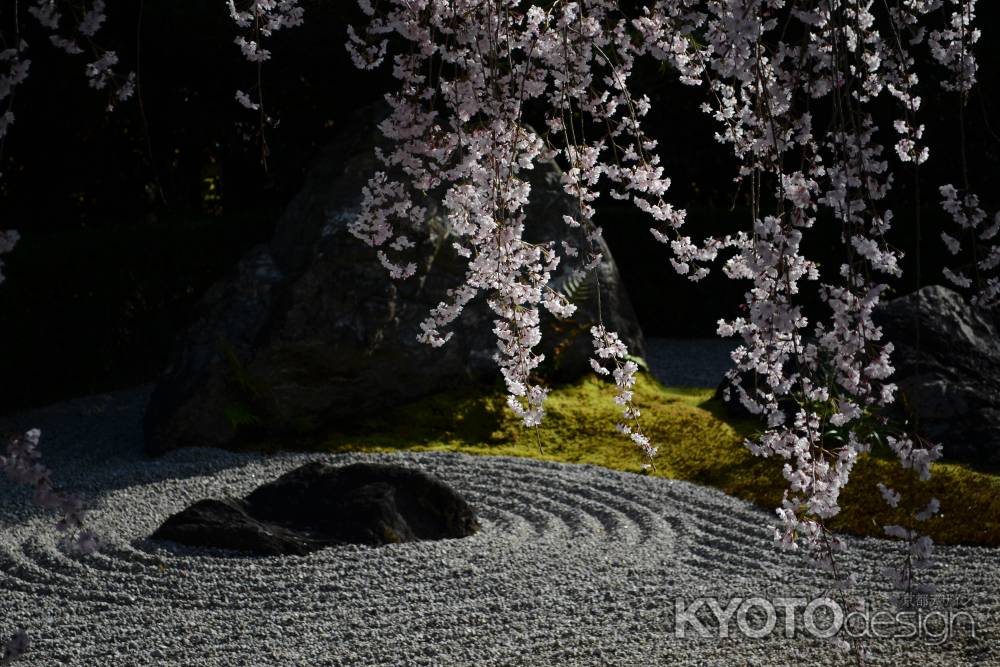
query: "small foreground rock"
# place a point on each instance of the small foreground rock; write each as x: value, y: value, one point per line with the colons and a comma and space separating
x: 318, y: 505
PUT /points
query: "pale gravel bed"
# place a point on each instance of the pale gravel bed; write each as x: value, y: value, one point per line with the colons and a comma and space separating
x: 574, y: 565
x: 690, y: 362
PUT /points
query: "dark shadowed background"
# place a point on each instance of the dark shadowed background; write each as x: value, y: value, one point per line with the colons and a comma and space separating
x: 126, y: 218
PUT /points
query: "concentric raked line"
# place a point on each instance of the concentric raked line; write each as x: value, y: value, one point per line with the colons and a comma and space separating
x: 573, y: 565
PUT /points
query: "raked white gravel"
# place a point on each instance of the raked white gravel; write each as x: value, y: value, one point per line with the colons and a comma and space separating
x: 575, y: 565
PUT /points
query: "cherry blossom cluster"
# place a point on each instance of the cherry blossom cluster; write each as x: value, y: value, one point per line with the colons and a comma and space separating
x: 13, y: 72
x: 258, y: 19
x: 23, y: 465
x: 608, y: 346
x: 263, y: 17
x: 814, y: 378
x: 77, y: 37
x: 463, y: 133
x: 952, y: 44
x: 917, y: 557
x: 471, y: 73
x: 980, y: 235
x: 468, y: 73
x: 952, y: 48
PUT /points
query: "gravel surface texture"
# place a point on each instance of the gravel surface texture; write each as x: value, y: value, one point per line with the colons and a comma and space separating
x: 574, y: 565
x: 694, y: 362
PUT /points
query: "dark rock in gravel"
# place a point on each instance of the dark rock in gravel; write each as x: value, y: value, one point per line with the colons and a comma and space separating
x: 309, y: 330
x: 947, y: 361
x: 318, y: 505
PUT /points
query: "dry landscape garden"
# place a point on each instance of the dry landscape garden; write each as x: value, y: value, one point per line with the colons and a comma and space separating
x: 500, y: 332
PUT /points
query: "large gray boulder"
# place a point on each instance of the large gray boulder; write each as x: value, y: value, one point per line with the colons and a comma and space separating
x: 947, y: 361
x: 309, y: 330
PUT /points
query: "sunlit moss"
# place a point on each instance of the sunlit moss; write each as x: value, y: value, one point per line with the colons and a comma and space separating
x: 697, y: 442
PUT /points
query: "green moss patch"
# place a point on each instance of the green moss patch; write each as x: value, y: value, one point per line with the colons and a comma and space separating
x: 697, y: 443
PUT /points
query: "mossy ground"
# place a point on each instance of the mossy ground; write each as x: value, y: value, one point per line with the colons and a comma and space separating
x: 697, y: 443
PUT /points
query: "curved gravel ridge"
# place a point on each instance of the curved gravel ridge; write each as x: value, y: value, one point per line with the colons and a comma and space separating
x: 574, y: 565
